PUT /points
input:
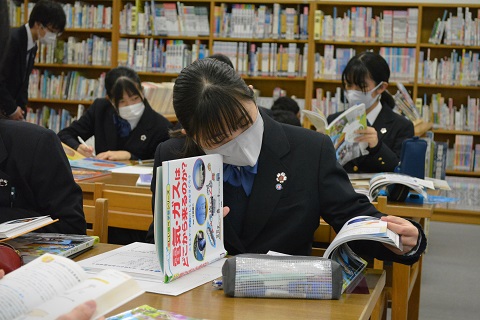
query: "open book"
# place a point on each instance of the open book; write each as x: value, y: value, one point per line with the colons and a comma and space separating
x: 32, y: 245
x: 14, y: 228
x: 358, y: 228
x: 188, y: 218
x: 383, y: 180
x: 52, y: 285
x: 342, y: 131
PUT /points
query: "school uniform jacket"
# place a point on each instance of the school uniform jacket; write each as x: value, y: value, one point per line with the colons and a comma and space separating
x: 392, y: 130
x: 98, y: 121
x: 33, y: 162
x: 15, y: 73
x: 283, y: 216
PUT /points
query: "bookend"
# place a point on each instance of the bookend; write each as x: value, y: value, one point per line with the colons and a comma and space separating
x: 412, y: 163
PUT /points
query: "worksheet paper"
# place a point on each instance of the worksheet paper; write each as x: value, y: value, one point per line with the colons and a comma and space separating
x: 141, y: 262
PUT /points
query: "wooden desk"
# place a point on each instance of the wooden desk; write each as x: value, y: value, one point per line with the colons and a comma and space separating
x: 206, y: 302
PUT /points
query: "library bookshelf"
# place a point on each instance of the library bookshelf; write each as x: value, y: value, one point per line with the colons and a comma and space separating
x: 301, y: 75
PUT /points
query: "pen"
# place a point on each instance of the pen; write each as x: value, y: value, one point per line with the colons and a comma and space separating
x: 85, y: 144
x: 13, y: 195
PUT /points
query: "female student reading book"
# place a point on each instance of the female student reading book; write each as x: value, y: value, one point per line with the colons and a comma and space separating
x: 365, y: 80
x: 124, y: 125
x: 278, y: 179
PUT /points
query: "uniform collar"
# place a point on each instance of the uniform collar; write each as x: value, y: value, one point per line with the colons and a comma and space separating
x: 30, y: 42
x: 372, y: 115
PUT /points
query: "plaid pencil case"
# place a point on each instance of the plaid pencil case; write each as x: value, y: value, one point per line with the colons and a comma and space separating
x: 266, y: 276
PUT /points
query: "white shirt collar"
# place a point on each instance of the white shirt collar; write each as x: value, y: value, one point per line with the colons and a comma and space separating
x: 30, y: 42
x: 372, y: 115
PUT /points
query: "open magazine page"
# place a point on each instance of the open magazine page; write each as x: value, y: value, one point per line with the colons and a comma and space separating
x: 352, y: 266
x: 318, y: 120
x: 364, y: 228
x: 342, y: 132
x: 381, y: 180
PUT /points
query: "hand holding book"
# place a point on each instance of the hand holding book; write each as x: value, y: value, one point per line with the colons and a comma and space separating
x: 406, y: 230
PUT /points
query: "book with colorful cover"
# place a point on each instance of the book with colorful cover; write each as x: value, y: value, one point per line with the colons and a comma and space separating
x: 342, y: 131
x: 96, y: 164
x: 71, y: 153
x: 188, y: 218
x: 145, y: 312
x: 85, y: 174
x: 33, y: 244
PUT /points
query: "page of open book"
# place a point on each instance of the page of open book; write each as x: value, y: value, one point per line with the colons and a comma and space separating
x: 37, y: 282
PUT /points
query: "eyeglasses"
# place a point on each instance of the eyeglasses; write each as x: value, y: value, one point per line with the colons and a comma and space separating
x: 58, y: 34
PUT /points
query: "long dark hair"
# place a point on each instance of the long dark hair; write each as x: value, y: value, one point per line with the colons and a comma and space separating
x: 120, y: 80
x: 207, y: 98
x: 372, y: 65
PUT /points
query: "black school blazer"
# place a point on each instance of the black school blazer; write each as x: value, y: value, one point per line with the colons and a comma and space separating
x: 98, y: 121
x: 316, y: 186
x: 392, y: 130
x: 15, y: 73
x: 32, y: 161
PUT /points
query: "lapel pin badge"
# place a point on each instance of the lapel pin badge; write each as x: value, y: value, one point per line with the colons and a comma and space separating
x: 3, y: 183
x: 383, y: 130
x: 281, y: 177
x: 143, y: 137
x: 278, y: 186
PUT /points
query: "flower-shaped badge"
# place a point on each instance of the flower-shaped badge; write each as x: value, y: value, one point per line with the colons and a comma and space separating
x: 281, y: 177
x: 143, y: 137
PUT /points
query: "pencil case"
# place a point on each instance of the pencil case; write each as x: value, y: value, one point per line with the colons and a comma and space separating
x: 266, y: 276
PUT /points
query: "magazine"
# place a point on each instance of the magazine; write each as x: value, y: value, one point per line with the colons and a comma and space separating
x: 358, y: 228
x: 33, y: 245
x: 381, y: 180
x: 85, y: 174
x: 52, y: 285
x: 188, y: 214
x: 145, y: 312
x: 14, y: 228
x: 96, y: 164
x: 71, y: 153
x: 342, y: 131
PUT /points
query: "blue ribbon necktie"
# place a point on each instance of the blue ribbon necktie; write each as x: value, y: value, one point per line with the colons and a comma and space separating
x: 237, y: 176
x: 122, y: 125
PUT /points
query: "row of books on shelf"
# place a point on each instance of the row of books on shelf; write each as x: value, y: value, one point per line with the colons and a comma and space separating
x: 359, y: 24
x: 87, y: 16
x: 66, y: 86
x: 460, y: 68
x: 159, y: 95
x: 16, y: 13
x: 445, y: 115
x: 53, y: 119
x: 462, y: 29
x: 334, y: 61
x: 158, y: 55
x: 261, y: 21
x: 267, y: 59
x: 95, y: 51
x: 168, y: 18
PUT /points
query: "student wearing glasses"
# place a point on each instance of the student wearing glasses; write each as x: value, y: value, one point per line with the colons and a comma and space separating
x: 45, y: 23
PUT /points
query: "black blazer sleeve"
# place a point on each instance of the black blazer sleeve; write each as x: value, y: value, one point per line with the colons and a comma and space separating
x: 83, y: 127
x: 9, y: 75
x: 47, y: 185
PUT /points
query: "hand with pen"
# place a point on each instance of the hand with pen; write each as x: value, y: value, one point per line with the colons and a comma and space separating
x: 84, y: 149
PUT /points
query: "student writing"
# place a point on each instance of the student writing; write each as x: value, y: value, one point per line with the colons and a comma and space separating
x: 124, y: 124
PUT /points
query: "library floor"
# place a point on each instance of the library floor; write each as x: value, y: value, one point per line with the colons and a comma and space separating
x: 451, y: 273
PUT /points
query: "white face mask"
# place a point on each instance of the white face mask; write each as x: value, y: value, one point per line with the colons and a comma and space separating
x: 355, y: 97
x: 48, y: 38
x: 245, y: 148
x: 132, y: 113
